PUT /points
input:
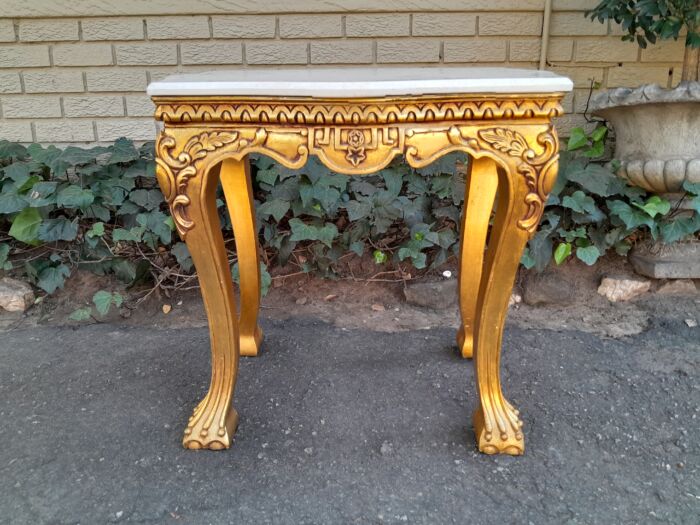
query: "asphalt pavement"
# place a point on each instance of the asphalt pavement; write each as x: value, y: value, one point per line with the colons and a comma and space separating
x: 348, y: 426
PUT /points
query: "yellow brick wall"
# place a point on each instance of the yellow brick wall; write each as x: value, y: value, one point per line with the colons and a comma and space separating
x: 77, y: 71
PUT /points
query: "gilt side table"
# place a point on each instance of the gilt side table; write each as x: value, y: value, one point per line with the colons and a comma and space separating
x: 356, y: 120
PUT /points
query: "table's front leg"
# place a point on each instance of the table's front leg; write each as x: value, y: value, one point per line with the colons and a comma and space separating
x: 190, y: 189
x: 524, y: 180
x: 238, y: 190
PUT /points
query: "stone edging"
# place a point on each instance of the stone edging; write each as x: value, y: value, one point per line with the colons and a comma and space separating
x: 646, y: 94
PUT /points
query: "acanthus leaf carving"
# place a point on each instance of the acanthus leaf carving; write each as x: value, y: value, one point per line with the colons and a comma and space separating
x: 174, y: 170
x: 539, y: 171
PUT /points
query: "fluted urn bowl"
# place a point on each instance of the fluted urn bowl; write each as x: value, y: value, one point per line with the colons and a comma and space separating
x: 657, y: 134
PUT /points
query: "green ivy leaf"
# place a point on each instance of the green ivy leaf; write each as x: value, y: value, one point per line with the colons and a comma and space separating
x: 631, y: 217
x: 42, y: 194
x: 267, y: 176
x: 81, y: 314
x: 25, y: 226
x: 309, y: 232
x: 97, y: 230
x: 73, y: 156
x: 562, y: 252
x: 133, y: 235
x: 182, y: 255
x: 20, y: 171
x: 577, y: 139
x: 123, y: 151
x: 588, y: 254
x: 73, y: 196
x: 12, y: 150
x: 654, y: 206
x: 379, y: 257
x: 5, y: 264
x: 527, y: 260
x: 102, y: 301
x: 357, y: 247
x: 358, y: 209
x: 679, y: 228
x: 596, y: 179
x: 60, y: 229
x: 12, y: 203
x: 580, y: 202
x: 53, y: 277
x: 149, y: 199
x: 277, y: 208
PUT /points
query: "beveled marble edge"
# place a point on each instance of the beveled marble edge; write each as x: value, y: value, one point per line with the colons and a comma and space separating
x: 354, y: 82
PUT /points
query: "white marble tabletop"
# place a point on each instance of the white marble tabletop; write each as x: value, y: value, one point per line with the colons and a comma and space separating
x: 349, y: 82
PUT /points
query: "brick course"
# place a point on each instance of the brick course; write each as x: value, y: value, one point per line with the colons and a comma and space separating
x: 83, y: 79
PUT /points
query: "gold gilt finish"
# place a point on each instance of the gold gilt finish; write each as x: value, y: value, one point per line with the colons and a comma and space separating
x: 514, y: 152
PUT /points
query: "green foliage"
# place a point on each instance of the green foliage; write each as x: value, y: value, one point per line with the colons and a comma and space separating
x: 70, y: 207
x: 645, y: 20
x: 103, y: 302
x: 101, y: 210
x: 591, y: 210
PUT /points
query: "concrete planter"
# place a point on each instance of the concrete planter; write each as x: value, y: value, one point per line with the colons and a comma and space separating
x: 656, y: 134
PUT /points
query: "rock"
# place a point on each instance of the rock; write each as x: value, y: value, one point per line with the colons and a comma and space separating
x: 301, y: 301
x: 621, y: 288
x: 15, y: 296
x: 515, y: 298
x: 678, y: 260
x: 378, y: 307
x: 387, y: 449
x: 436, y: 294
x: 549, y: 287
x: 678, y: 287
x: 692, y: 323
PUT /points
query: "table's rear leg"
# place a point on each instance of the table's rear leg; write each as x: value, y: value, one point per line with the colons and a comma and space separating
x: 214, y: 421
x: 481, y: 184
x: 497, y: 425
x: 238, y: 190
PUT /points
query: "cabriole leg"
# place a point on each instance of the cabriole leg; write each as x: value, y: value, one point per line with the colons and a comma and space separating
x: 191, y: 192
x: 238, y: 190
x: 497, y: 425
x: 481, y: 184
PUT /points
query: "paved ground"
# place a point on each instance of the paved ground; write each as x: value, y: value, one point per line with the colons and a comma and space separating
x: 343, y: 426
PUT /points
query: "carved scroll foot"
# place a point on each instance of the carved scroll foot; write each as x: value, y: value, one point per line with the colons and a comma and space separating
x: 481, y: 184
x: 238, y: 190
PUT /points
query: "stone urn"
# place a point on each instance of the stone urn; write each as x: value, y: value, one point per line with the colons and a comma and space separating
x: 657, y: 143
x: 657, y: 134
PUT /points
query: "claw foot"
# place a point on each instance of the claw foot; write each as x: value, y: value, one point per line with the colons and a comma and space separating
x: 499, y: 439
x: 215, y: 437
